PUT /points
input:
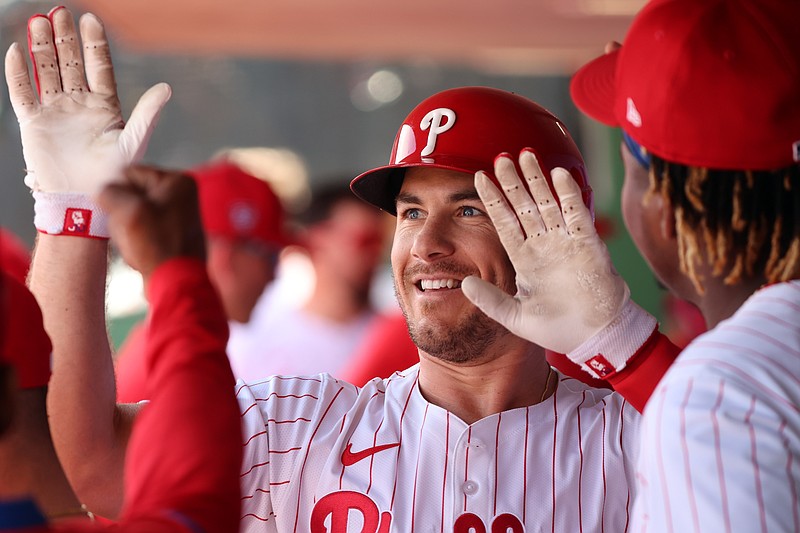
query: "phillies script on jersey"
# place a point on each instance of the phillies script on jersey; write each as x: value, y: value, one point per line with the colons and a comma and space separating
x: 324, y: 456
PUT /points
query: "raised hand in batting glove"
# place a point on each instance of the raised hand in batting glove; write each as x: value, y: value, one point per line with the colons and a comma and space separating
x: 74, y: 139
x: 569, y: 299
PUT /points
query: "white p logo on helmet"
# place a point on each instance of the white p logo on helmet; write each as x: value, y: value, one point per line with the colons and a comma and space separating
x: 432, y: 122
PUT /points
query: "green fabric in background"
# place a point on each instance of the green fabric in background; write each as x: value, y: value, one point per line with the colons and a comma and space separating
x: 645, y: 290
x: 118, y: 327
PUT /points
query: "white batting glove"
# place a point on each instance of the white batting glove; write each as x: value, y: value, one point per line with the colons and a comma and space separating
x: 74, y: 139
x: 569, y: 299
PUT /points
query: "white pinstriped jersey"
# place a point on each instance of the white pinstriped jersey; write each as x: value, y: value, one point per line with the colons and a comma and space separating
x: 316, y: 447
x: 720, y: 446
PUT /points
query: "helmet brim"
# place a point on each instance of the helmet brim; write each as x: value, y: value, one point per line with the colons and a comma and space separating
x: 381, y: 185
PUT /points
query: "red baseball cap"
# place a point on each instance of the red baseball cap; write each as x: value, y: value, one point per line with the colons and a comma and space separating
x: 239, y: 206
x: 707, y: 83
x: 24, y: 344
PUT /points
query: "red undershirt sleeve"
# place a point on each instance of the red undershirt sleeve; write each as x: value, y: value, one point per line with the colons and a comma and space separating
x: 183, y: 461
x: 637, y: 381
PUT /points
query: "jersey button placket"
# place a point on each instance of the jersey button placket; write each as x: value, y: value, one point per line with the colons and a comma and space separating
x: 477, y: 467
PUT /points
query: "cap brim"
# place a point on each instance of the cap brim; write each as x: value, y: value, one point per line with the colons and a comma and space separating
x: 379, y: 187
x: 593, y: 88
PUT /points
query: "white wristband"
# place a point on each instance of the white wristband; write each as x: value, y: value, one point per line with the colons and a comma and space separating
x: 609, y: 350
x: 69, y: 214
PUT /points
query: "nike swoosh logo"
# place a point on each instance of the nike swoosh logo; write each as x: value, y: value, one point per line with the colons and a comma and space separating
x: 350, y: 458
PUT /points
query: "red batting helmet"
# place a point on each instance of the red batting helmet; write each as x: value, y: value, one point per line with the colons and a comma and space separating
x: 465, y: 129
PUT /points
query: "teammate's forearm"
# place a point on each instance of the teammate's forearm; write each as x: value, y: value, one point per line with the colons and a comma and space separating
x: 68, y: 277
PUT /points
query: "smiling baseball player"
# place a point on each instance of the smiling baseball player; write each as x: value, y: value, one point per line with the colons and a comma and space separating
x: 482, y: 435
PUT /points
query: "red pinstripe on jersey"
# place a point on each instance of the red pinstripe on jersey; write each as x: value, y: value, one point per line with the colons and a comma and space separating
x: 420, y: 449
x: 496, y: 463
x: 686, y: 467
x: 621, y: 446
x: 344, y: 419
x: 446, y: 462
x: 372, y: 459
x: 553, y: 465
x: 466, y: 465
x: 253, y: 467
x: 660, y: 458
x: 723, y: 488
x: 603, y: 443
x: 261, y: 518
x: 400, y: 440
x: 257, y: 490
x: 793, y: 486
x: 580, y: 469
x: 756, y: 469
x: 308, y: 450
x: 525, y: 465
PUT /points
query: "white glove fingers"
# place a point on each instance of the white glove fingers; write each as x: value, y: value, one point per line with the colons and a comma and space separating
x: 68, y: 49
x: 539, y: 186
x: 97, y: 57
x: 144, y: 117
x: 576, y: 215
x: 43, y: 55
x: 524, y: 207
x: 20, y: 90
x: 503, y: 218
x: 493, y: 301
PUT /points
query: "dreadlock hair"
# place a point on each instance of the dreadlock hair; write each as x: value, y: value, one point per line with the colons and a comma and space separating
x: 747, y: 222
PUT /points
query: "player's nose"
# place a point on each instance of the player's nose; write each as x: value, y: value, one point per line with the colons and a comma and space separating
x: 433, y: 239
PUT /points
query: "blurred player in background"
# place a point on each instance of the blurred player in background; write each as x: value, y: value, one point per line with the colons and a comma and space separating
x: 245, y: 229
x: 345, y: 242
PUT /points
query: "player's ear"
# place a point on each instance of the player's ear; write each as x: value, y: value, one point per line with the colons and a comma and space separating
x: 220, y: 256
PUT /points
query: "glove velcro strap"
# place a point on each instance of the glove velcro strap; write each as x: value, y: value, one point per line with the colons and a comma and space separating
x: 608, y: 351
x: 69, y: 214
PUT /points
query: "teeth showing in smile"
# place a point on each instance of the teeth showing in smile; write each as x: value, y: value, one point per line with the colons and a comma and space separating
x: 434, y: 284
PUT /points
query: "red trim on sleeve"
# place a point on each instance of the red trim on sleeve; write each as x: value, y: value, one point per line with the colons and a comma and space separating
x: 637, y: 381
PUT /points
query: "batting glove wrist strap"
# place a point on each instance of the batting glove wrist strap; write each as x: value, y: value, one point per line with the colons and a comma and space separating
x: 609, y: 350
x: 69, y: 214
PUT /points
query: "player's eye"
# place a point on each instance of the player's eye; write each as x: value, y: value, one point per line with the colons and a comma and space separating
x: 469, y: 211
x: 411, y: 213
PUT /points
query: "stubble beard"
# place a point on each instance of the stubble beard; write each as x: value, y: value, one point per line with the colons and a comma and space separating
x: 463, y: 342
